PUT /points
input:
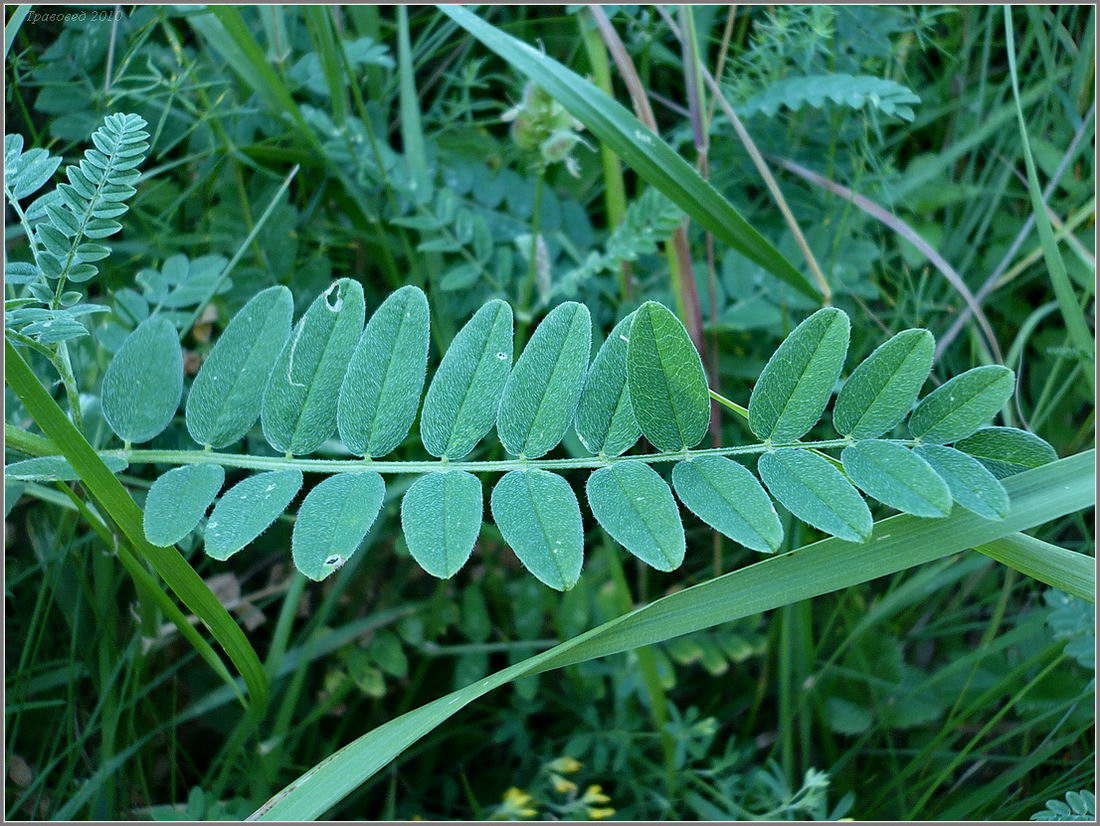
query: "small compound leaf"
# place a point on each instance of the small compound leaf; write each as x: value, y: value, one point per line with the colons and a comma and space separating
x: 882, y: 390
x: 634, y: 505
x: 144, y: 381
x: 668, y: 388
x: 461, y: 404
x: 381, y: 389
x: 895, y: 476
x: 1007, y: 450
x: 816, y: 492
x: 970, y: 482
x: 794, y: 387
x: 542, y: 392
x: 539, y: 518
x: 605, y: 417
x: 247, y: 509
x: 54, y: 469
x: 725, y: 495
x: 961, y: 405
x: 441, y: 517
x: 178, y: 500
x: 333, y: 520
x: 225, y: 397
x: 298, y: 412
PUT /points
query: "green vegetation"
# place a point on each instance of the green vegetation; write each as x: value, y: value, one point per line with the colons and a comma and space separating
x: 624, y: 412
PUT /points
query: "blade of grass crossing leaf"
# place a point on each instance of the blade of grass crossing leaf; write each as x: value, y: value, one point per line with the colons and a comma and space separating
x: 605, y: 416
x: 649, y: 156
x: 412, y: 132
x: 541, y: 395
x: 12, y: 26
x: 333, y: 520
x: 114, y: 500
x: 324, y: 40
x: 54, y: 469
x: 898, y: 477
x: 795, y: 384
x: 632, y: 502
x: 1068, y: 302
x: 668, y: 386
x: 898, y: 543
x: 882, y: 389
x: 725, y: 495
x: 539, y: 518
x: 441, y: 519
x: 381, y: 389
x: 226, y: 395
x: 816, y: 492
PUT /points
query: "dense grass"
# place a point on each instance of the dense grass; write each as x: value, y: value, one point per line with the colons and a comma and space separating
x: 961, y: 689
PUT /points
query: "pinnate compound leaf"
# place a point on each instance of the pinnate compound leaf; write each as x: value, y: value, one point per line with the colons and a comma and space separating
x: 54, y: 469
x: 605, y: 416
x: 333, y: 520
x: 970, y: 482
x: 794, y: 387
x: 144, y: 381
x: 298, y: 412
x: 816, y: 492
x: 381, y: 389
x: 634, y: 505
x: 961, y: 405
x: 881, y: 391
x: 668, y: 388
x: 725, y: 495
x: 247, y: 509
x: 539, y: 518
x: 895, y: 476
x: 541, y: 395
x: 461, y: 404
x: 1006, y: 451
x: 225, y: 397
x: 178, y: 500
x: 441, y: 517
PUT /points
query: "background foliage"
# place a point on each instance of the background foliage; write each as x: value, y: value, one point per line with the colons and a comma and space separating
x: 958, y: 690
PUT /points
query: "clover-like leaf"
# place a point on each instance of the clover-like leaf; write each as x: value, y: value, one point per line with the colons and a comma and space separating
x: 605, y: 417
x: 961, y: 405
x: 634, y: 505
x: 816, y: 492
x: 441, y: 518
x: 178, y: 500
x: 144, y: 382
x: 539, y: 518
x: 898, y: 477
x: 333, y: 520
x: 881, y: 391
x: 247, y: 509
x: 725, y: 495
x: 1006, y: 451
x: 972, y: 485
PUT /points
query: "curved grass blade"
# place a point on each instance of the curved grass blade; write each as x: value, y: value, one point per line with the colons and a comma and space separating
x: 461, y: 404
x: 247, y: 509
x: 883, y: 388
x: 1007, y: 450
x: 795, y: 385
x: 539, y: 518
x: 298, y: 412
x: 649, y: 156
x: 634, y: 505
x: 333, y: 520
x: 668, y: 387
x: 725, y: 495
x: 1074, y: 573
x: 114, y: 501
x: 605, y: 421
x: 541, y: 395
x: 54, y: 469
x: 144, y: 382
x: 225, y: 397
x: 178, y: 500
x: 441, y: 518
x: 970, y: 482
x: 898, y: 543
x: 961, y: 405
x: 898, y: 477
x: 382, y: 386
x: 816, y: 492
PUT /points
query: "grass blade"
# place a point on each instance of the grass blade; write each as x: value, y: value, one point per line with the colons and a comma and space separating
x: 649, y: 156
x: 898, y: 543
x: 1071, y: 572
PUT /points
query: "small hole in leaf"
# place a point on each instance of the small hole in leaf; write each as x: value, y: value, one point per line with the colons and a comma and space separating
x: 334, y: 561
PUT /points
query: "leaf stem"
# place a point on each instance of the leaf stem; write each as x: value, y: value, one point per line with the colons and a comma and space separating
x: 205, y: 457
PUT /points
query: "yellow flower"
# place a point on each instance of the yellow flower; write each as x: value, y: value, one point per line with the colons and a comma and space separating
x: 561, y: 785
x: 600, y: 814
x: 565, y: 765
x: 516, y: 797
x: 594, y: 794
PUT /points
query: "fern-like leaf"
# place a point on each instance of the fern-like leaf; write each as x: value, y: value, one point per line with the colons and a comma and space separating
x: 852, y: 91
